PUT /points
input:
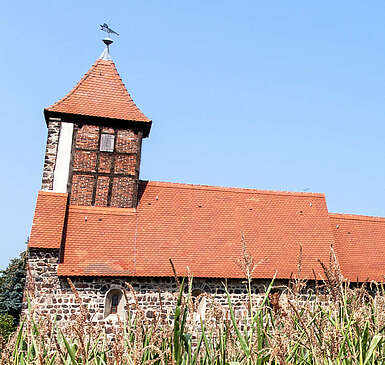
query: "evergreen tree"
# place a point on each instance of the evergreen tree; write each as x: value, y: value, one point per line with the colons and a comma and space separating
x: 12, y: 281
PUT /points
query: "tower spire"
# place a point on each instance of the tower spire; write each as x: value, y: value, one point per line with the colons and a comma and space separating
x: 107, y: 41
x: 106, y: 52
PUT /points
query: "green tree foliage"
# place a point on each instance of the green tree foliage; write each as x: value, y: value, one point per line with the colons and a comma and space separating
x: 7, y: 325
x: 12, y: 281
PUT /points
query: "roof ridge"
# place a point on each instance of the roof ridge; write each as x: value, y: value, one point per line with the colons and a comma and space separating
x: 359, y: 217
x: 168, y: 184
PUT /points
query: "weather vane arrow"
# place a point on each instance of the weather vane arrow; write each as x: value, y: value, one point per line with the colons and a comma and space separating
x: 105, y: 28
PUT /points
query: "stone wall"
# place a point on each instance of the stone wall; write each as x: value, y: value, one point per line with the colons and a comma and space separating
x: 50, y: 154
x: 53, y: 296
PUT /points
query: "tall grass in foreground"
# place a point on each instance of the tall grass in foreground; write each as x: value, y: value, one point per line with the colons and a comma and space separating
x: 336, y: 325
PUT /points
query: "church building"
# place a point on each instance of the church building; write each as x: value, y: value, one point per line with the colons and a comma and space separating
x: 101, y: 226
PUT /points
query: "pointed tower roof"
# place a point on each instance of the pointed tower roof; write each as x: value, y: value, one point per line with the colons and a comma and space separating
x: 101, y: 93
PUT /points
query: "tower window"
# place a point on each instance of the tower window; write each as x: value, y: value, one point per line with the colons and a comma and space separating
x: 107, y: 142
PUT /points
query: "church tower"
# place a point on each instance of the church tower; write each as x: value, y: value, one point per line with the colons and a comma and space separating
x: 94, y: 140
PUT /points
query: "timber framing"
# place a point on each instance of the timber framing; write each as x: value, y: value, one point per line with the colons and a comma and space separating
x: 95, y: 171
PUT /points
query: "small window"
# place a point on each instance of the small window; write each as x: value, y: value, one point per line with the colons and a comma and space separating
x: 107, y: 142
x: 114, y: 304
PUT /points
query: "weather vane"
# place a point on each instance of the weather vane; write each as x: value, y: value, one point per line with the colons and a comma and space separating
x: 105, y: 28
x: 107, y: 41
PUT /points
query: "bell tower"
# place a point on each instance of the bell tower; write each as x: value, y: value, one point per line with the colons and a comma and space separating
x: 94, y: 140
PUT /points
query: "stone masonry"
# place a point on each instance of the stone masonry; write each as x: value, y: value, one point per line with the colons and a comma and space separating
x: 50, y: 154
x: 53, y: 296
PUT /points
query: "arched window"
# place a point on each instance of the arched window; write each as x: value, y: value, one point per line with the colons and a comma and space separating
x: 114, y: 304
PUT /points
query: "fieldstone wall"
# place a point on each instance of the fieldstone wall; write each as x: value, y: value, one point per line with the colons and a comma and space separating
x: 50, y: 154
x: 53, y: 296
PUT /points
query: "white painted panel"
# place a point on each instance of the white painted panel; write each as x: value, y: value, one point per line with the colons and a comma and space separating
x: 63, y: 159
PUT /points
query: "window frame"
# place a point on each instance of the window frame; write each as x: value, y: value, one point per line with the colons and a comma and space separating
x: 107, y: 142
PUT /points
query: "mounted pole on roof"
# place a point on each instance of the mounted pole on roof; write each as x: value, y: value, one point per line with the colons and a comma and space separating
x: 107, y: 41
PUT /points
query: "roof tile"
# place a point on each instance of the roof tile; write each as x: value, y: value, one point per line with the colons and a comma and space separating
x: 48, y: 222
x: 200, y: 228
x: 360, y: 246
x: 100, y: 93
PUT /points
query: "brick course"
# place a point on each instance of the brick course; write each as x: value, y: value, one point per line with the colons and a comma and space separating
x: 124, y: 192
x: 125, y: 164
x: 102, y: 188
x: 105, y: 162
x: 127, y: 141
x: 87, y: 137
x: 108, y: 130
x: 85, y: 161
x: 82, y: 189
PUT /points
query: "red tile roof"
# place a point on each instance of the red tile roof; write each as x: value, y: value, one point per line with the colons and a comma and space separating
x: 200, y: 228
x: 360, y: 246
x: 100, y: 93
x: 48, y: 222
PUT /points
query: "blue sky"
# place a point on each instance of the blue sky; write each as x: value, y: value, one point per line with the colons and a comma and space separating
x: 277, y: 95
